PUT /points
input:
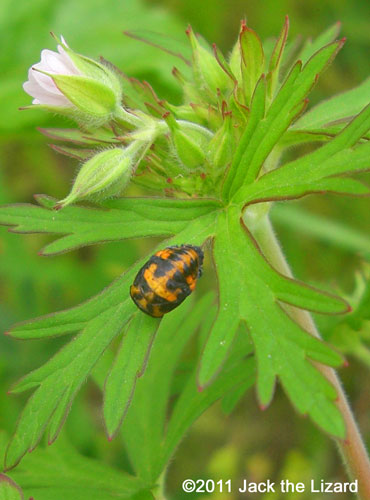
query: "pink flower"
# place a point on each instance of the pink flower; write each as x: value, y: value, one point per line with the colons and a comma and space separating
x: 41, y: 86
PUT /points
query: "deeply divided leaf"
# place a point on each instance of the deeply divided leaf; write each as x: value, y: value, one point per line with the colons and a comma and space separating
x: 264, y: 135
x: 117, y: 220
x: 277, y: 338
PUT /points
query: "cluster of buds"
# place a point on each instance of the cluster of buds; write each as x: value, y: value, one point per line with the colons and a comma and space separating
x: 133, y: 135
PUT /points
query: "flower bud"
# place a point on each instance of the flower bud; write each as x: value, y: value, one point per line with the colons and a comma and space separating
x: 104, y: 175
x: 221, y: 147
x: 188, y: 144
x: 206, y: 67
x: 73, y: 85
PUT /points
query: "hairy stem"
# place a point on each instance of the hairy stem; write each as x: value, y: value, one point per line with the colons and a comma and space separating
x: 159, y: 489
x: 352, y: 449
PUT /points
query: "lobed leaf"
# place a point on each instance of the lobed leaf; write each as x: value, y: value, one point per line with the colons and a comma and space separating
x: 339, y: 107
x: 192, y: 403
x: 314, y: 172
x: 71, y: 320
x: 146, y: 417
x: 284, y: 108
x: 233, y: 397
x: 276, y: 337
x: 117, y: 220
x: 59, y: 380
x: 257, y: 113
x: 306, y: 297
x: 227, y: 320
x: 127, y: 367
x: 232, y: 285
x: 60, y: 472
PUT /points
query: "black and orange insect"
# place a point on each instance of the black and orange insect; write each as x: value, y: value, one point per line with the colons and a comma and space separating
x: 169, y: 276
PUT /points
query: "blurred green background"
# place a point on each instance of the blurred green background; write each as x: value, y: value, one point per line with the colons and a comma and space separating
x: 275, y: 444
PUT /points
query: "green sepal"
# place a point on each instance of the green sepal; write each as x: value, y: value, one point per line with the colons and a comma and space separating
x: 89, y: 96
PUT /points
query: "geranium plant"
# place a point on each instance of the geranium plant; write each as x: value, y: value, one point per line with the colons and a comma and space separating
x: 212, y: 168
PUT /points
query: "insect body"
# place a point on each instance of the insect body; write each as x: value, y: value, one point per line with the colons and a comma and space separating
x: 168, y: 277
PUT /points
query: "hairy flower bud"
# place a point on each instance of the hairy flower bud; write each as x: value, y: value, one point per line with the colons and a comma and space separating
x: 74, y: 85
x: 189, y: 143
x: 206, y: 67
x: 221, y: 147
x: 104, y: 175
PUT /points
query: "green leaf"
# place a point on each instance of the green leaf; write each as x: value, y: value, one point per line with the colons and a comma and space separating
x: 284, y: 108
x: 74, y: 319
x: 276, y: 58
x: 306, y: 297
x: 325, y: 38
x: 59, y: 380
x: 339, y: 107
x: 257, y: 113
x: 146, y: 417
x: 231, y: 286
x: 314, y: 172
x: 228, y: 317
x: 282, y: 348
x: 119, y: 219
x: 60, y: 472
x: 9, y: 490
x: 252, y: 60
x: 192, y: 403
x: 323, y: 134
x: 128, y: 365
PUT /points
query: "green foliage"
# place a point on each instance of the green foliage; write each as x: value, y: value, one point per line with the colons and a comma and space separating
x: 126, y: 218
x: 266, y: 126
x: 319, y: 171
x: 9, y: 489
x: 128, y: 365
x: 146, y: 419
x: 341, y: 107
x: 251, y: 294
x: 250, y: 333
x: 59, y: 471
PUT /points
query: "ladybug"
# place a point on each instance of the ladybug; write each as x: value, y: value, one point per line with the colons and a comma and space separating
x: 169, y: 276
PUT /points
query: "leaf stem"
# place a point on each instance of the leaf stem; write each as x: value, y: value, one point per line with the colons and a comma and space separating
x: 352, y: 449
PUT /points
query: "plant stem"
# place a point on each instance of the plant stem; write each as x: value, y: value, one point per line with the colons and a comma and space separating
x: 159, y: 490
x: 352, y: 449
